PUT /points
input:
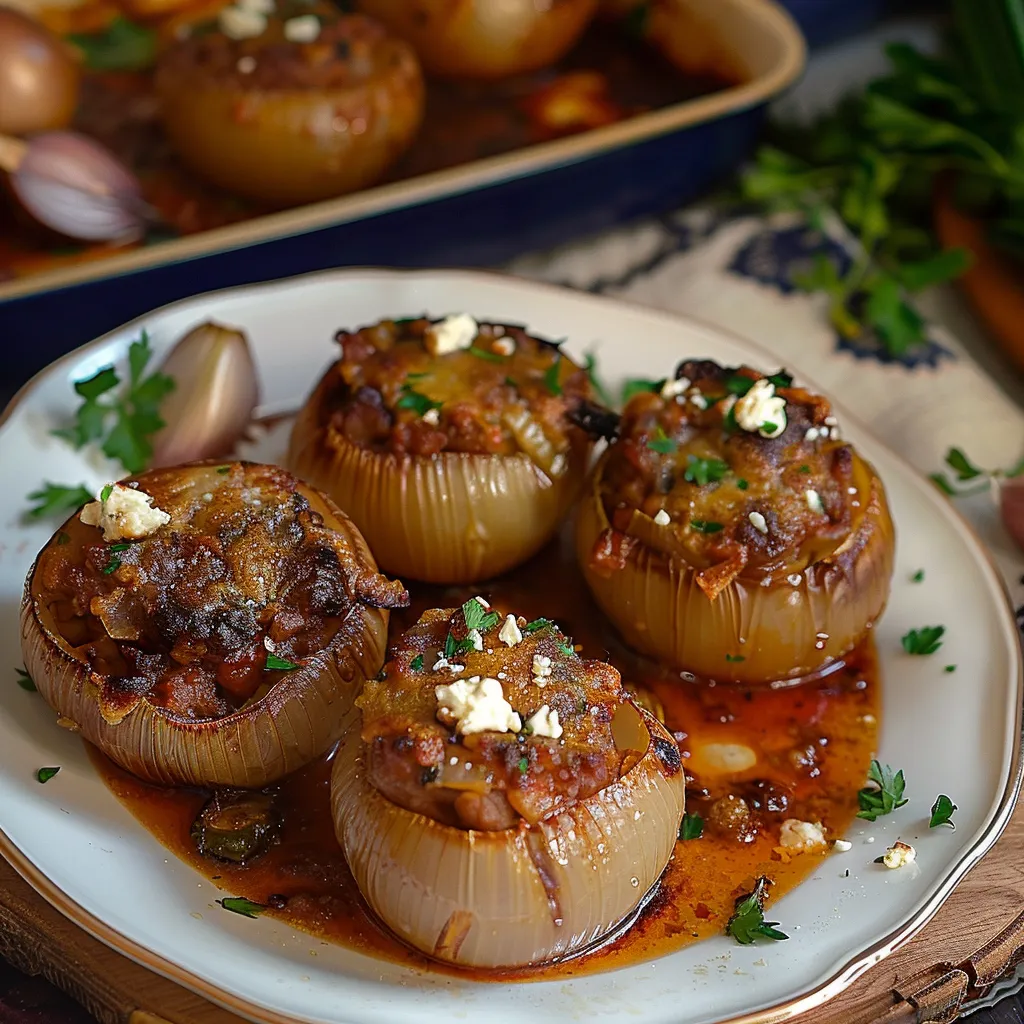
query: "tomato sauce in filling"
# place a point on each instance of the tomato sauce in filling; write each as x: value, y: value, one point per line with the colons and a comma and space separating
x: 753, y: 759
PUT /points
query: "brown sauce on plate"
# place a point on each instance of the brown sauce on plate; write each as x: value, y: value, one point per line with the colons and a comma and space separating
x: 463, y: 122
x: 813, y: 744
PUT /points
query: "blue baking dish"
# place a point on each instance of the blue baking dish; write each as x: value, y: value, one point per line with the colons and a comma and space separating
x: 479, y: 214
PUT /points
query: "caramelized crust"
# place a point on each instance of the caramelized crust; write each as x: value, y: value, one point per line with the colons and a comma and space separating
x: 737, y: 502
x: 508, y: 392
x: 187, y: 617
x: 489, y: 780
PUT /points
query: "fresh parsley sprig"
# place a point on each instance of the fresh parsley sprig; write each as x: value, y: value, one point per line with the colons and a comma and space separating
x: 747, y: 923
x: 967, y: 472
x: 123, y: 421
x: 942, y: 812
x: 884, y: 795
x: 926, y: 640
x: 53, y: 498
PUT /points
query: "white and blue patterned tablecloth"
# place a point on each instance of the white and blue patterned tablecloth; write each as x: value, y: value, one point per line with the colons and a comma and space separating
x: 737, y: 271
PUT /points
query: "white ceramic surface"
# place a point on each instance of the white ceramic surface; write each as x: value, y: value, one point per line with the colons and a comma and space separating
x: 956, y: 733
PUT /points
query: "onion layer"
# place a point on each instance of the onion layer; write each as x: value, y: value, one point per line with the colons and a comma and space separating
x: 526, y: 895
x: 448, y: 518
x: 295, y: 721
x: 483, y: 39
x: 762, y: 629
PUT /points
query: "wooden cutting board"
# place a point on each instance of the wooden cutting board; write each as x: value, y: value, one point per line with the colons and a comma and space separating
x: 974, y: 940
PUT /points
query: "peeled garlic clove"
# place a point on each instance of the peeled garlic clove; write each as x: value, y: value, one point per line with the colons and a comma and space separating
x: 74, y: 185
x: 216, y: 391
x: 1011, y: 507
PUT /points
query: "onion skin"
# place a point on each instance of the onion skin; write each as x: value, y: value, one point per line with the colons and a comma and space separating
x: 450, y: 518
x: 483, y: 39
x: 297, y: 720
x: 784, y: 631
x: 39, y: 77
x: 216, y: 391
x: 476, y: 899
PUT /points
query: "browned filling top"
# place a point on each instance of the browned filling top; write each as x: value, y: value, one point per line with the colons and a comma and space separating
x: 726, y: 477
x: 240, y: 588
x: 349, y: 52
x: 420, y: 758
x: 505, y: 392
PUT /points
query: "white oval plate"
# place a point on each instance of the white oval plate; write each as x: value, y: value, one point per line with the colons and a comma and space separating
x: 954, y: 733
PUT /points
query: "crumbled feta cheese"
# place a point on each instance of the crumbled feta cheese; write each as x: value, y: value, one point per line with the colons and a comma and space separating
x: 541, y: 666
x: 798, y: 836
x: 811, y: 434
x: 510, y: 634
x: 758, y: 522
x: 443, y: 663
x: 760, y: 410
x: 899, y: 855
x: 697, y: 399
x: 842, y: 846
x: 504, y: 346
x: 477, y: 640
x: 432, y: 417
x: 831, y: 421
x: 303, y: 29
x: 476, y: 705
x: 814, y: 500
x: 675, y: 388
x: 483, y: 604
x: 240, y: 23
x: 663, y: 518
x: 452, y: 334
x: 544, y: 722
x: 126, y: 514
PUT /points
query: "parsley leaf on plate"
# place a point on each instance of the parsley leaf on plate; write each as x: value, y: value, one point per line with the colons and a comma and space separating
x: 884, y: 796
x: 45, y: 774
x: 240, y: 905
x: 747, y: 923
x: 25, y: 680
x: 52, y: 498
x: 926, y: 640
x: 942, y: 812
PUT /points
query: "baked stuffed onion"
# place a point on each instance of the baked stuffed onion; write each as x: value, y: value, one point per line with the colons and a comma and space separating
x: 454, y: 446
x: 483, y: 39
x: 206, y: 624
x: 731, y: 533
x: 290, y: 109
x: 501, y: 801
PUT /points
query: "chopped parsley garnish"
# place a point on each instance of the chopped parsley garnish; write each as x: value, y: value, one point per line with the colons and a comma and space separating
x: 942, y: 812
x: 738, y: 384
x: 25, y: 680
x: 419, y: 404
x: 112, y: 566
x: 482, y: 353
x: 804, y: 469
x: 122, y: 46
x: 662, y: 443
x: 240, y: 905
x: 62, y: 539
x: 704, y: 471
x: 874, y: 802
x: 638, y: 386
x: 692, y: 827
x: 949, y: 668
x: 524, y: 765
x: 551, y: 375
x: 532, y: 627
x: 45, y: 774
x: 747, y: 922
x: 477, y: 617
x: 108, y: 490
x: 417, y: 663
x: 735, y: 657
x: 742, y: 484
x: 276, y: 664
x: 223, y: 470
x: 509, y: 382
x: 453, y: 647
x: 781, y: 379
x: 918, y: 576
x: 52, y: 498
x: 567, y: 649
x: 705, y: 526
x: 135, y: 413
x: 590, y: 365
x: 926, y: 640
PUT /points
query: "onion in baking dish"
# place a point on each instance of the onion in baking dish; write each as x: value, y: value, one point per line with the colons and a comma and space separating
x: 212, y: 628
x: 731, y: 533
x: 500, y: 801
x: 482, y: 38
x: 456, y: 447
